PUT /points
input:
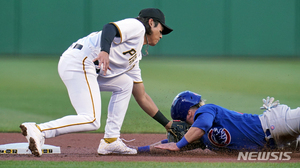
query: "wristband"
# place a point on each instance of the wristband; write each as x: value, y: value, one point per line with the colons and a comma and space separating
x: 183, y: 142
x: 164, y: 141
x: 159, y: 117
x: 144, y: 149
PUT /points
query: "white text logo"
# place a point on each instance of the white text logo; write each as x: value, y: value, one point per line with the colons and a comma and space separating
x: 264, y: 156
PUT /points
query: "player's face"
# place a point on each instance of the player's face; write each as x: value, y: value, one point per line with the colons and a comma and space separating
x: 156, y: 34
x: 190, y: 116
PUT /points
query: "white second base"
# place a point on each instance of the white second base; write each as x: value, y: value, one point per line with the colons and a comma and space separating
x: 22, y: 148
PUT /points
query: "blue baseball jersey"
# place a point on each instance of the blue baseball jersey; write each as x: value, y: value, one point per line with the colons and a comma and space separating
x: 229, y: 130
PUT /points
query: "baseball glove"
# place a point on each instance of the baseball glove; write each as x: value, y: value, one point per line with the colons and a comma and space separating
x: 177, y: 132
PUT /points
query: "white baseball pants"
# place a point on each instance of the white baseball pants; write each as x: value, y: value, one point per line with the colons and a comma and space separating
x: 83, y: 84
x: 283, y: 123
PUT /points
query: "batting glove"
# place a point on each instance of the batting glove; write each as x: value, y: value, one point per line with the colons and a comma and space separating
x: 268, y: 103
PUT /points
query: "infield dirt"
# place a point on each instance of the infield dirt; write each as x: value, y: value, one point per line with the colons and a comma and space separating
x: 83, y: 147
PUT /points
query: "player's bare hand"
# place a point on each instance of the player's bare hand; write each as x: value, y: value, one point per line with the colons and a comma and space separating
x: 168, y: 146
x: 103, y: 59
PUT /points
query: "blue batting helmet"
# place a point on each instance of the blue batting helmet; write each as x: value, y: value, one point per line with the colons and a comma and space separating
x: 182, y: 103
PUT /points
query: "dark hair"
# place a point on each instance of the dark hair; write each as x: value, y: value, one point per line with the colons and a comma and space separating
x: 145, y: 22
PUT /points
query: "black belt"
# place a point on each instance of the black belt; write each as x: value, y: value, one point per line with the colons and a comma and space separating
x: 78, y: 46
x: 97, y: 69
x: 270, y: 142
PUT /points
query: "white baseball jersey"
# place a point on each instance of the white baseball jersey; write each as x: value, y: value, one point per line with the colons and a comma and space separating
x: 77, y: 71
x: 125, y: 50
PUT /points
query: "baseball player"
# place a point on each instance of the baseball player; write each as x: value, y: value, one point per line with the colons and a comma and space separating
x: 220, y: 129
x: 107, y: 60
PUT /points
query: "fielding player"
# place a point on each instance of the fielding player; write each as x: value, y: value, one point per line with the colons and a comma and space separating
x: 220, y: 129
x: 107, y: 60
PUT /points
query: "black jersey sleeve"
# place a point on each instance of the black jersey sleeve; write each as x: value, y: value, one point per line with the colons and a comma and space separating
x: 109, y: 32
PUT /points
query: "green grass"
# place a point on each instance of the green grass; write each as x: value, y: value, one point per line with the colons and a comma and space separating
x: 31, y: 90
x: 34, y: 164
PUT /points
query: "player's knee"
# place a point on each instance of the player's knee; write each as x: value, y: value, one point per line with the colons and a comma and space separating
x: 127, y: 83
x: 92, y: 122
x: 96, y: 124
x: 128, y: 86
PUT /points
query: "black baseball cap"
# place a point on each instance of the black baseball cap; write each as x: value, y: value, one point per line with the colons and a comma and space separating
x: 156, y: 14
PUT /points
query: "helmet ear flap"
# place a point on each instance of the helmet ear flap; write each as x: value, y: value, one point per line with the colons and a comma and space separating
x: 182, y: 103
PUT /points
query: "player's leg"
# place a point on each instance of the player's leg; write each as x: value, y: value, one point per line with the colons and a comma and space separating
x: 293, y: 123
x: 284, y: 124
x: 121, y: 88
x: 82, y: 85
x: 80, y: 79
